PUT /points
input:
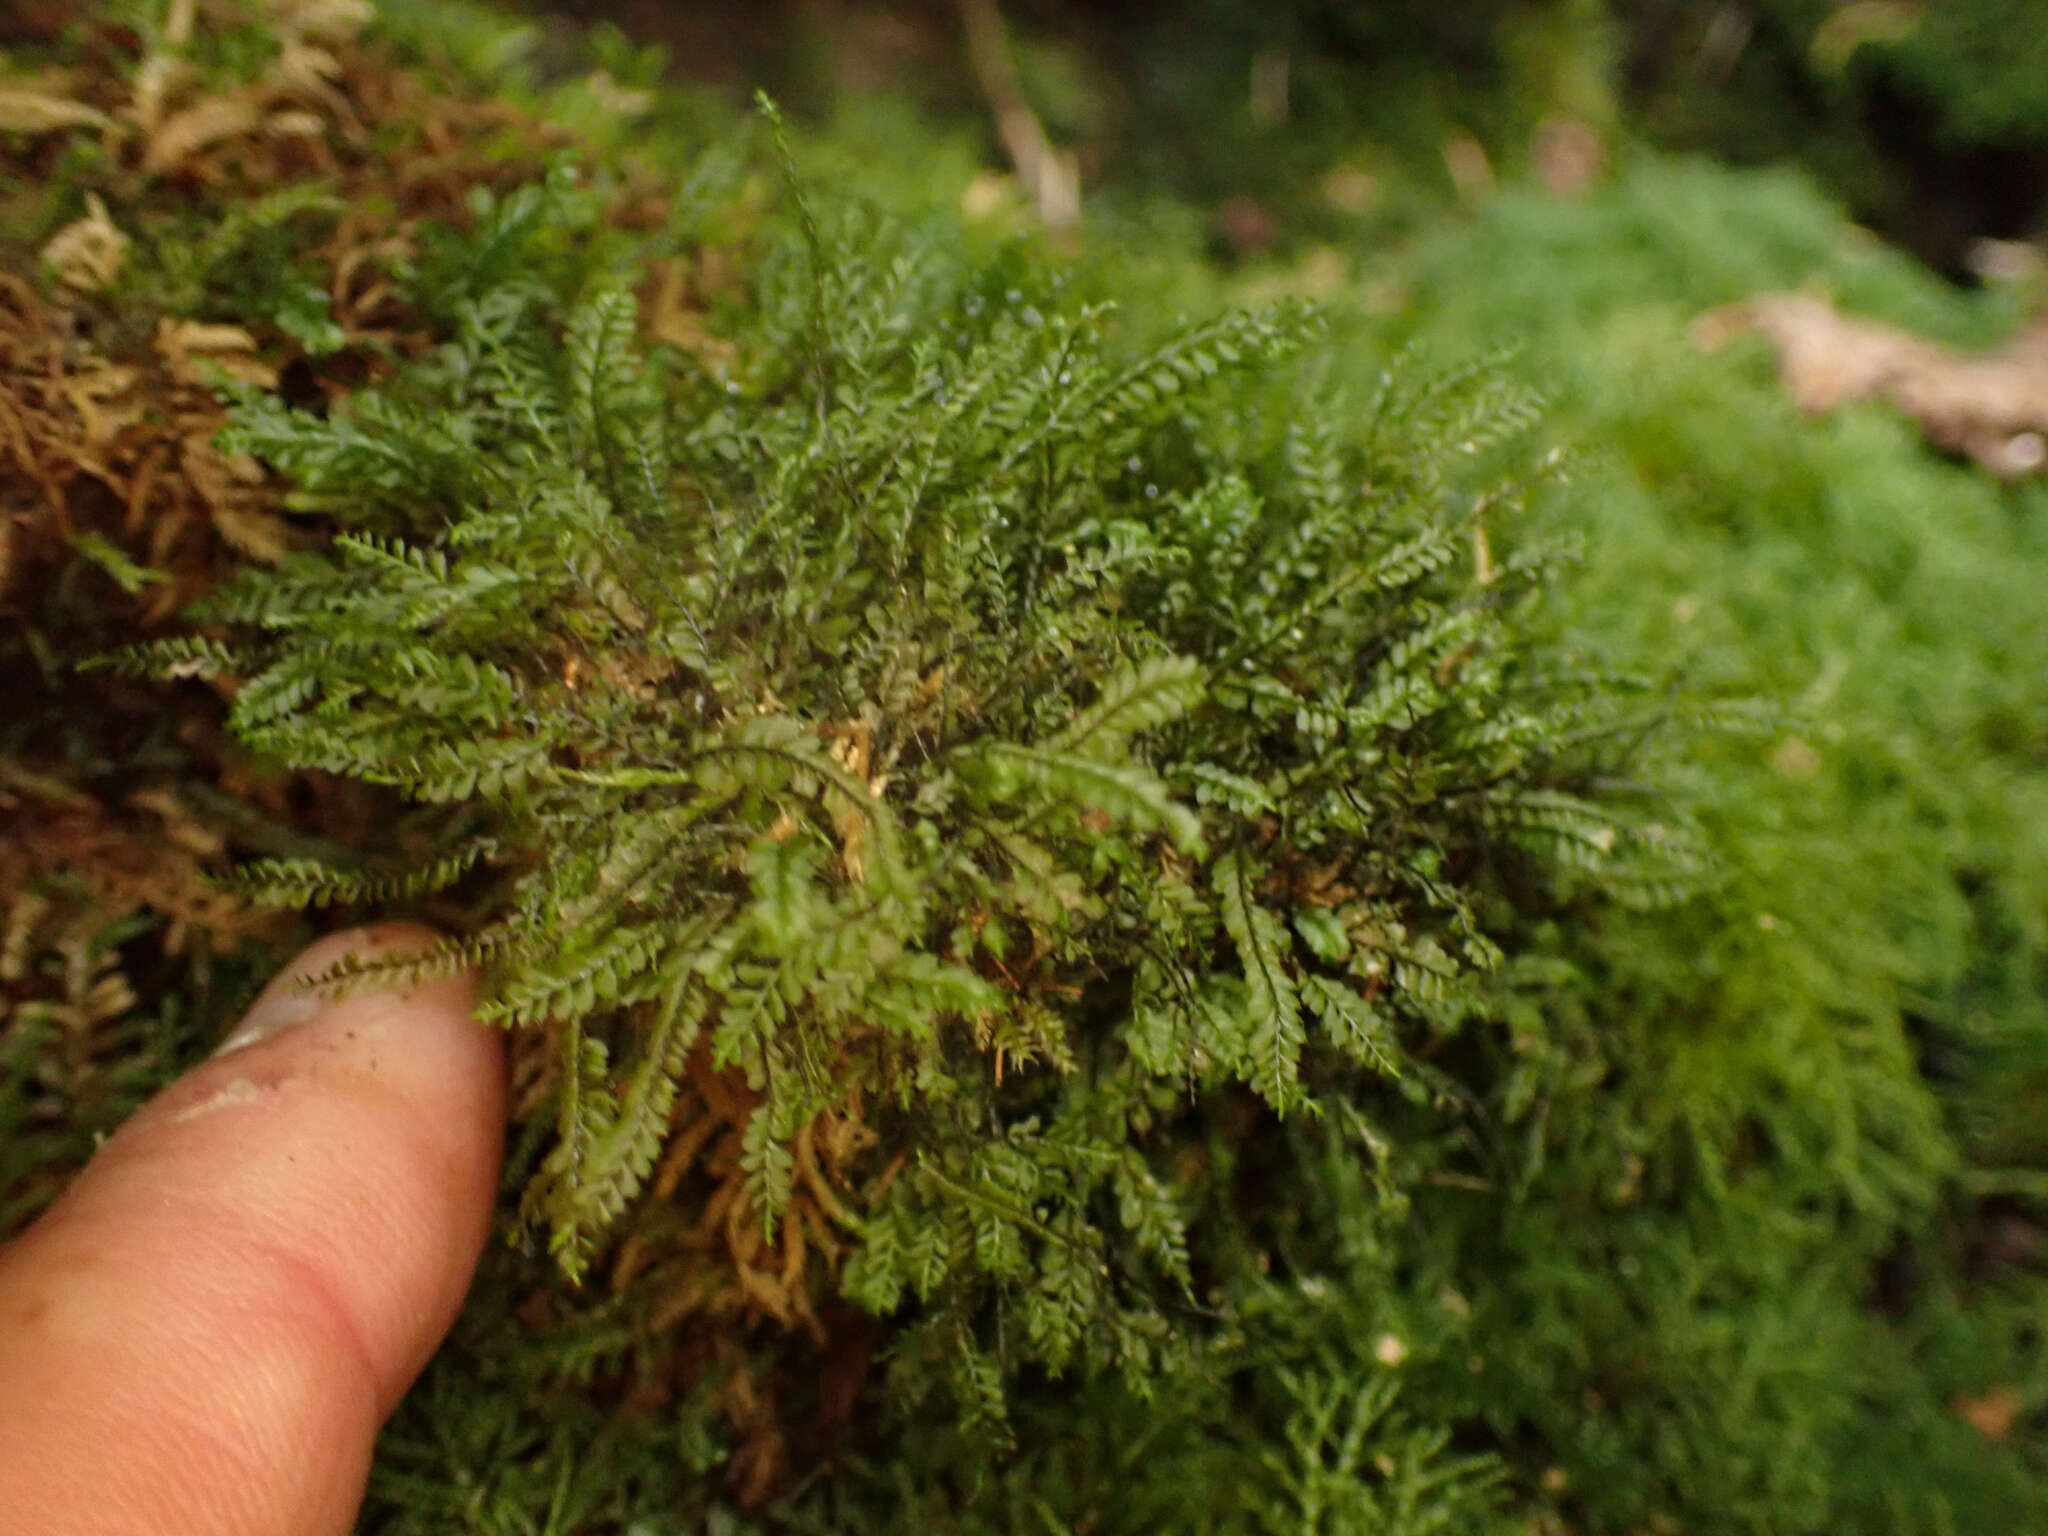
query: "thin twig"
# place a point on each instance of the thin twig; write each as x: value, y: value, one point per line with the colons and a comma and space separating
x: 1048, y: 173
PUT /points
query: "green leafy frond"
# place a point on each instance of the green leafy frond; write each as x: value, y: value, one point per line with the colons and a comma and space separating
x: 1201, y: 352
x: 1138, y: 700
x: 310, y: 883
x: 1272, y: 1044
x: 175, y: 656
x: 1359, y: 1030
x: 1126, y: 792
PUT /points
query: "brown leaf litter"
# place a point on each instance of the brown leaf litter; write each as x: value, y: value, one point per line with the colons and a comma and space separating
x: 102, y: 435
x: 1991, y: 407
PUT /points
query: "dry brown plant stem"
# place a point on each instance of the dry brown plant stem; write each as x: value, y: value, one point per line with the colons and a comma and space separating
x: 1047, y: 172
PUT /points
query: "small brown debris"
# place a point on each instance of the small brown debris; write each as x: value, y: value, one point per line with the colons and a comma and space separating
x: 1992, y: 1414
x: 1795, y: 758
x: 1471, y: 172
x: 1350, y: 189
x: 1568, y: 155
x: 1245, y: 226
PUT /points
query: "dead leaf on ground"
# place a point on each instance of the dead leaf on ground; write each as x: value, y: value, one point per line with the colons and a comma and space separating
x: 185, y: 133
x: 27, y: 111
x: 86, y: 254
x: 195, y: 349
x: 104, y: 396
x: 1991, y: 406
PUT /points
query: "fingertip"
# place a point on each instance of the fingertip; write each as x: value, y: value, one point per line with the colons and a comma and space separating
x: 291, y: 997
x: 262, y: 1259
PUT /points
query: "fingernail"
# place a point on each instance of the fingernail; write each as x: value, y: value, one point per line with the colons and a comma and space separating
x: 281, y: 1006
x: 286, y: 1003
